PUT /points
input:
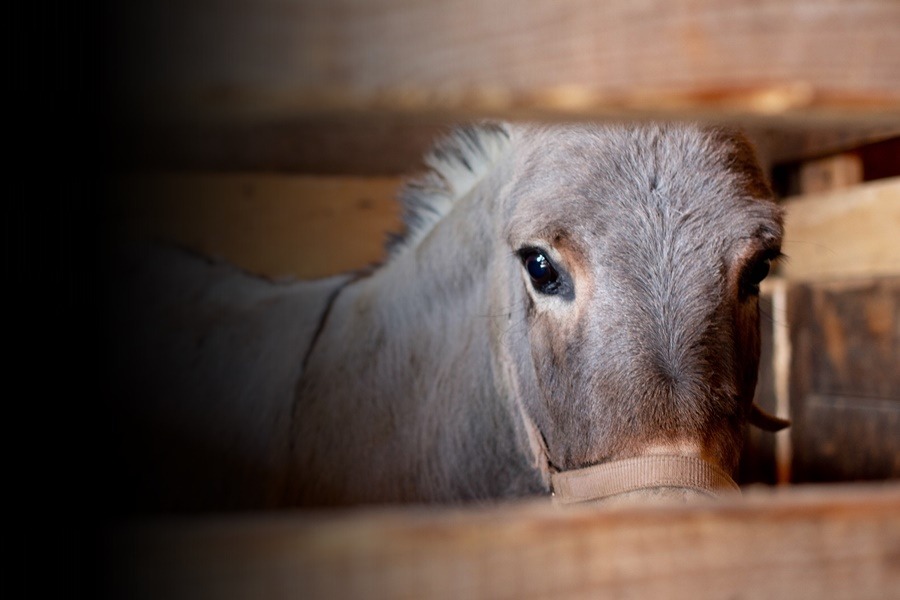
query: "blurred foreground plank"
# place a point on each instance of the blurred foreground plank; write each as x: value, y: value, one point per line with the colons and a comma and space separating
x: 219, y: 59
x: 803, y: 542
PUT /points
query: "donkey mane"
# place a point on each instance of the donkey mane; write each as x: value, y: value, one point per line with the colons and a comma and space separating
x: 454, y: 165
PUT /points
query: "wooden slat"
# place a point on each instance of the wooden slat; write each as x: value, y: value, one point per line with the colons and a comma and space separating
x: 845, y: 384
x: 758, y: 456
x: 806, y: 60
x: 846, y: 233
x: 808, y: 543
x: 832, y: 173
x: 352, y: 144
x: 823, y: 166
x: 786, y: 144
x: 273, y: 225
x: 362, y: 144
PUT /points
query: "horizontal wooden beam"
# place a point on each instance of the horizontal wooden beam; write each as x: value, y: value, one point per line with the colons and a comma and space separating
x: 377, y: 145
x: 844, y: 233
x: 272, y: 225
x: 825, y: 61
x: 354, y: 145
x: 810, y: 542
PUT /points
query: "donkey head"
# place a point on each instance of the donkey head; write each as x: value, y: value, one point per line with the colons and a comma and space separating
x: 636, y: 256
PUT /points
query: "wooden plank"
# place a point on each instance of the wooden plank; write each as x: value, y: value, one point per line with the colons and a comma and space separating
x: 847, y: 233
x: 845, y: 165
x: 360, y: 144
x: 847, y: 438
x: 788, y: 143
x: 814, y: 61
x: 845, y: 384
x: 852, y: 332
x: 766, y: 457
x: 801, y: 543
x: 832, y: 173
x: 758, y: 456
x: 273, y: 225
x: 352, y: 144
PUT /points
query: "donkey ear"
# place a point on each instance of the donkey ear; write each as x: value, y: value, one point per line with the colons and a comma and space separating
x: 765, y: 421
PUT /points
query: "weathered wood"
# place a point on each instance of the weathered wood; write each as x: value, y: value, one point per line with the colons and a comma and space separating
x: 846, y: 233
x: 845, y: 164
x: 350, y: 144
x: 766, y: 457
x: 273, y: 225
x: 832, y: 173
x: 802, y: 543
x: 814, y: 61
x: 351, y: 87
x: 758, y: 454
x: 360, y: 144
x: 845, y: 384
x: 788, y: 143
x: 782, y: 357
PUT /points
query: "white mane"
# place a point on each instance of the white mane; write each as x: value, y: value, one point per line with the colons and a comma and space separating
x: 455, y: 164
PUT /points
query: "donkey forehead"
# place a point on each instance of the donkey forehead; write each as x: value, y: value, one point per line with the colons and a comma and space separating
x: 585, y: 186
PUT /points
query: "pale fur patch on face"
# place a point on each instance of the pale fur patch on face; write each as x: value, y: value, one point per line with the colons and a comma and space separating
x: 455, y: 165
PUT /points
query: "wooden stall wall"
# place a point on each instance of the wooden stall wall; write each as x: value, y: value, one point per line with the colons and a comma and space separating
x: 275, y: 134
x: 844, y: 315
x: 833, y: 316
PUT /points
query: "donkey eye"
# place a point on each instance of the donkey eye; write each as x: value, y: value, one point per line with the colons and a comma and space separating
x: 544, y: 277
x: 755, y: 273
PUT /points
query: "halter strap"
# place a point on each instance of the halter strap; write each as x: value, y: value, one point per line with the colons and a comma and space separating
x: 642, y: 472
x: 619, y: 476
x: 626, y: 475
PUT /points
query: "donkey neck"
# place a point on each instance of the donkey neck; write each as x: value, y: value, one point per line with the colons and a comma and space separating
x: 403, y: 379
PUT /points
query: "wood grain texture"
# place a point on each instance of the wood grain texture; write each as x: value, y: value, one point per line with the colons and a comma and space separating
x: 832, y: 173
x: 758, y: 463
x: 846, y: 233
x: 819, y: 60
x: 272, y: 225
x: 845, y: 382
x: 803, y: 543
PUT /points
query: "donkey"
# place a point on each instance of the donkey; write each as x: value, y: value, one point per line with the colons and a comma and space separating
x: 563, y: 298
